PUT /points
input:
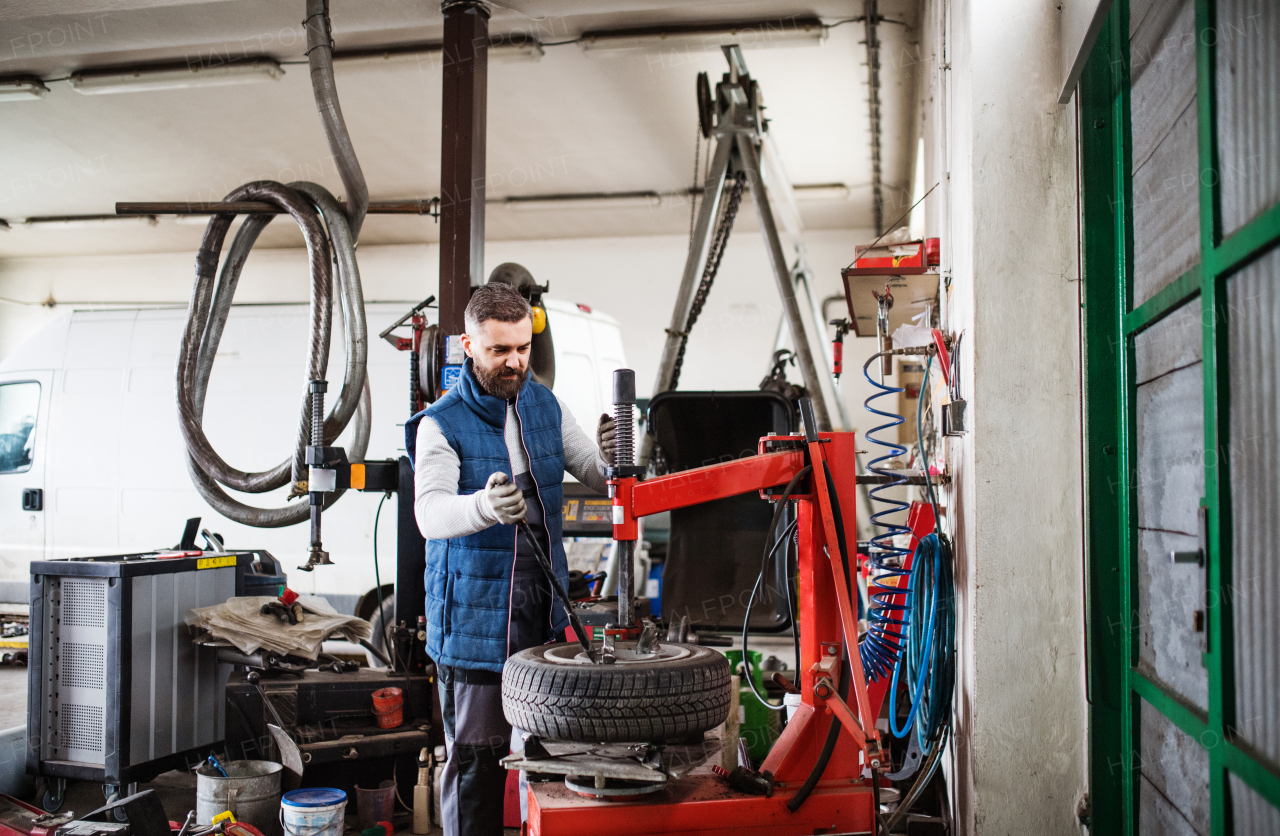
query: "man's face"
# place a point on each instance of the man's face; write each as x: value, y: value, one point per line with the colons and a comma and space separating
x: 500, y: 353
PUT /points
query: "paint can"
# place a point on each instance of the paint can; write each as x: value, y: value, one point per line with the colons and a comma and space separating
x: 388, y: 707
x: 315, y: 811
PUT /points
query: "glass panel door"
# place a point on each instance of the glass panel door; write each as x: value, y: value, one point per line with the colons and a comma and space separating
x: 1180, y: 176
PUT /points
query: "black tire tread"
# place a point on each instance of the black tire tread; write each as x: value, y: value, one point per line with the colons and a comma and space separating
x: 607, y: 704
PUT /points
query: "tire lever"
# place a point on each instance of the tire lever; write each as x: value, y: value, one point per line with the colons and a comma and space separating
x: 545, y: 563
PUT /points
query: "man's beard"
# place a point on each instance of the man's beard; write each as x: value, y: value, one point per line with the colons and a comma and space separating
x: 502, y: 382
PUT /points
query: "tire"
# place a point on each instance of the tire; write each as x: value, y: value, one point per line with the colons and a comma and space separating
x: 633, y: 702
x: 381, y: 636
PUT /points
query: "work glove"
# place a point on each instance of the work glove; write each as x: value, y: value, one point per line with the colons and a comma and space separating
x: 607, y: 438
x: 504, y: 498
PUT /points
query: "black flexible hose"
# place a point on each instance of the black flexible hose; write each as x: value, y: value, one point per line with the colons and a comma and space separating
x: 771, y: 545
x: 746, y: 618
x: 840, y: 540
x: 791, y: 597
x: 828, y: 746
x: 875, y: 804
x: 923, y: 776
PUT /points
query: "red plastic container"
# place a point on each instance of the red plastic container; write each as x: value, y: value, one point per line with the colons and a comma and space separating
x: 388, y: 707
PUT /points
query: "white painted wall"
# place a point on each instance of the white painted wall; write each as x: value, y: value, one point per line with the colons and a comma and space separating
x: 1005, y: 154
x: 633, y: 279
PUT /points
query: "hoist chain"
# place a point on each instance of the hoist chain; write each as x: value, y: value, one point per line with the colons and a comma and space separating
x: 714, y: 254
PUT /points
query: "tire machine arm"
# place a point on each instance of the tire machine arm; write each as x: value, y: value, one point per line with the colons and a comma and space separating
x: 829, y: 667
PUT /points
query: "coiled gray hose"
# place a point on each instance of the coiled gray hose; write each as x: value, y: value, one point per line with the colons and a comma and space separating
x: 320, y: 57
x: 316, y: 212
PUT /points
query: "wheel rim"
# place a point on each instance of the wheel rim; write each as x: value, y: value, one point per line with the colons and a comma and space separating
x: 614, y: 787
x: 573, y: 654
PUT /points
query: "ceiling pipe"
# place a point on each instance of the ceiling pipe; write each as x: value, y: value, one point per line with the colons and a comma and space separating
x: 871, y: 17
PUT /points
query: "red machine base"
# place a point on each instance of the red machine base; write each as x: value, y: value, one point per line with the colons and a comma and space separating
x: 703, y: 805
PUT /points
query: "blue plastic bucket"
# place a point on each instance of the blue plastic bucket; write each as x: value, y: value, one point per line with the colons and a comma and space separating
x: 315, y: 811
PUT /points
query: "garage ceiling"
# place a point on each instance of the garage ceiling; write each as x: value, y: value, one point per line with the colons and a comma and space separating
x: 571, y: 122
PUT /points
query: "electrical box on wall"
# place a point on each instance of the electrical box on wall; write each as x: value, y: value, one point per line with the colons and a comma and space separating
x: 909, y: 270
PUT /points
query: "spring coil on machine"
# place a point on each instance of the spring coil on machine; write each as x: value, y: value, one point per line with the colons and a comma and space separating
x: 624, y: 426
x: 887, y: 622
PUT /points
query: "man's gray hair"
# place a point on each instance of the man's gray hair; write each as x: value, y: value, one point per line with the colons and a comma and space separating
x: 495, y: 300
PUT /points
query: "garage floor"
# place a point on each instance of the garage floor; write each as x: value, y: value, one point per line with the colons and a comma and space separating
x: 177, y: 790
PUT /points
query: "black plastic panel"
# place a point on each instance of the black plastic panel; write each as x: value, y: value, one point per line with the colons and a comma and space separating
x: 715, y: 551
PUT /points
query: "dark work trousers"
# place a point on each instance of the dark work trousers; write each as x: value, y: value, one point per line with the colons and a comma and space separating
x: 477, y: 733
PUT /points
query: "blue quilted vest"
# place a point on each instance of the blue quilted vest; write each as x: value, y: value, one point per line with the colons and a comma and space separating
x: 468, y: 579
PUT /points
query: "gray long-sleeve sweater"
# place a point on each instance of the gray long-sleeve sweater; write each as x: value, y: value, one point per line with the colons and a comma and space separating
x: 443, y: 514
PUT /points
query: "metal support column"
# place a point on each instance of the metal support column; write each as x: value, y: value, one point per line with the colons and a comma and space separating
x: 783, y: 198
x: 737, y: 130
x: 782, y: 274
x: 462, y: 160
x: 712, y: 194
x: 411, y: 555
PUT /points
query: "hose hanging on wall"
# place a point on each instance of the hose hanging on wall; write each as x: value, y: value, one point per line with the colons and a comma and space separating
x: 928, y: 655
x: 886, y: 621
x: 324, y: 225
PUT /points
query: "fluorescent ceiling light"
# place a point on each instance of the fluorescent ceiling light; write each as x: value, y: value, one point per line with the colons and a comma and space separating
x: 516, y: 53
x: 89, y: 221
x: 821, y: 191
x: 582, y: 202
x: 430, y: 54
x: 125, y: 80
x: 198, y: 220
x: 22, y: 89
x: 759, y: 33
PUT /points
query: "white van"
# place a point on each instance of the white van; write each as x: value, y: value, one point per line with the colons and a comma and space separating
x: 92, y: 460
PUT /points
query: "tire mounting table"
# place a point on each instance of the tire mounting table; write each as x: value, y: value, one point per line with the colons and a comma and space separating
x: 601, y: 766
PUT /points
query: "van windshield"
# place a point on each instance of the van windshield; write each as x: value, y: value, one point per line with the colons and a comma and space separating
x: 19, y: 403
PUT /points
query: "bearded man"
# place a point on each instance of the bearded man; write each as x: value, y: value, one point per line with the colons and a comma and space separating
x: 491, y: 452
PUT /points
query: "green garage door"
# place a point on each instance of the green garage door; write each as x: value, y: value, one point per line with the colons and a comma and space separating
x: 1179, y: 111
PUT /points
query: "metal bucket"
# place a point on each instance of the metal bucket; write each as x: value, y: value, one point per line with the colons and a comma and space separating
x: 251, y: 792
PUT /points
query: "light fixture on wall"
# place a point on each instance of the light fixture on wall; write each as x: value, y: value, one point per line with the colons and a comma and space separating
x: 791, y: 31
x: 21, y: 89
x: 174, y: 76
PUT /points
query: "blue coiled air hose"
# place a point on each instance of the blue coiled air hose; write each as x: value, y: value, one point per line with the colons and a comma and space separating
x: 887, y: 622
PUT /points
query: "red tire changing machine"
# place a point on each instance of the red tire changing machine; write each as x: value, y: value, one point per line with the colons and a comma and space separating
x: 842, y: 800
